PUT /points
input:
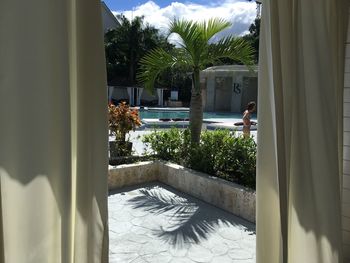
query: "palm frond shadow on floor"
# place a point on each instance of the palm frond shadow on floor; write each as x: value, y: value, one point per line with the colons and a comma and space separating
x: 192, y: 220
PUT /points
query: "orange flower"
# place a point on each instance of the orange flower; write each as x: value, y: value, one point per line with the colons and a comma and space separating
x: 122, y: 119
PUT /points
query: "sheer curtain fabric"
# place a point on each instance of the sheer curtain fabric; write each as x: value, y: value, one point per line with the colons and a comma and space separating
x: 53, y: 132
x: 300, y: 131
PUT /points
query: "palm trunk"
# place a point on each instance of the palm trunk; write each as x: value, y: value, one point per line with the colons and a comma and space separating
x: 196, y: 108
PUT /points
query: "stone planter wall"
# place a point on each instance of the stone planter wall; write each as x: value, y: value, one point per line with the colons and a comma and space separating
x: 218, y: 192
x: 131, y: 174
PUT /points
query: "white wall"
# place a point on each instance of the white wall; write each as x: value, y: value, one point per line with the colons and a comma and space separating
x: 346, y: 176
x: 234, y: 72
x: 108, y: 19
x: 148, y: 96
x: 120, y: 93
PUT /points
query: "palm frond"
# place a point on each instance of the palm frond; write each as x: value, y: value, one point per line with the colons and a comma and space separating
x: 155, y: 62
x: 196, y: 35
x: 187, y: 30
x: 231, y: 47
x: 213, y: 26
x: 191, y: 36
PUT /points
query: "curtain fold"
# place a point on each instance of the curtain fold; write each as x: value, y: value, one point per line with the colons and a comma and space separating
x: 53, y: 132
x: 300, y: 131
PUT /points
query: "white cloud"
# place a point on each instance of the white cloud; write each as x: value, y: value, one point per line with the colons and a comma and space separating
x: 241, y: 13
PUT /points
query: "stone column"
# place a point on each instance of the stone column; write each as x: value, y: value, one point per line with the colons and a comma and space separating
x: 131, y: 93
x: 139, y: 95
x: 160, y: 97
x: 110, y: 93
x: 211, y: 86
x: 237, y: 91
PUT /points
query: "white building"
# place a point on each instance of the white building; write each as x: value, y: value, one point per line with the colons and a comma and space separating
x: 108, y: 19
x: 228, y: 88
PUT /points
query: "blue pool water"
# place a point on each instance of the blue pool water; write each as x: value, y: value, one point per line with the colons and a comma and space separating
x: 185, y: 114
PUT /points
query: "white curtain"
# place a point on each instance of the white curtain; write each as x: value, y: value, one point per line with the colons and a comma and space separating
x: 300, y: 131
x: 131, y: 95
x: 53, y: 132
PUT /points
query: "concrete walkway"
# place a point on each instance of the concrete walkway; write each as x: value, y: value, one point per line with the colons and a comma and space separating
x: 155, y: 223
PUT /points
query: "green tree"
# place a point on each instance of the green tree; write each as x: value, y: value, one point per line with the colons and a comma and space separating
x: 125, y: 45
x: 253, y: 36
x: 195, y: 53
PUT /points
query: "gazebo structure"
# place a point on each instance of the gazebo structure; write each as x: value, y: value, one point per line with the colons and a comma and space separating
x: 229, y: 88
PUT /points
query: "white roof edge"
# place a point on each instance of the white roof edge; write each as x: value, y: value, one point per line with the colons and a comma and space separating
x: 230, y: 68
x: 109, y: 12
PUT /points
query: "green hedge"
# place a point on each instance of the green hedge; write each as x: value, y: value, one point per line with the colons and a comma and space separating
x: 220, y: 153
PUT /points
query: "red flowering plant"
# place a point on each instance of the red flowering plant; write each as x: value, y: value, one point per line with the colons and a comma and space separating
x: 122, y: 120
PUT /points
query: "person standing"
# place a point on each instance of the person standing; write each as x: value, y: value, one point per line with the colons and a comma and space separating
x: 246, y: 118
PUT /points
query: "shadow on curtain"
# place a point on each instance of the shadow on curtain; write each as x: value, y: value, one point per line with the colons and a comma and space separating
x: 53, y: 135
x: 300, y: 131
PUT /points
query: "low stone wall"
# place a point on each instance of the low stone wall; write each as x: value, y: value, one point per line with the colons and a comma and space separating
x: 228, y: 196
x: 131, y: 174
x: 213, y: 190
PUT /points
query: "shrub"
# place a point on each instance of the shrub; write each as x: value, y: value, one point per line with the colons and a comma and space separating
x: 168, y: 144
x: 220, y: 153
x: 122, y: 119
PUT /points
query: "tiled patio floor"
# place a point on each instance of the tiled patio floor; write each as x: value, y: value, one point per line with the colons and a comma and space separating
x: 155, y: 223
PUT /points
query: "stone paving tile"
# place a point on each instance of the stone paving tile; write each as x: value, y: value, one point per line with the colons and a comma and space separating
x: 156, y: 223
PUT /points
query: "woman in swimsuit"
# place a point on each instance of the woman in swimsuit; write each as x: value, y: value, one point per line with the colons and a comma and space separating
x: 246, y: 119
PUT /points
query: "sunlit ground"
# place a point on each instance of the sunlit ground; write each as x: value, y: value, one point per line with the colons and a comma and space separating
x: 155, y: 223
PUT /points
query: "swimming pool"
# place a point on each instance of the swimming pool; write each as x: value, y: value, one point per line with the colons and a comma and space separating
x: 147, y: 114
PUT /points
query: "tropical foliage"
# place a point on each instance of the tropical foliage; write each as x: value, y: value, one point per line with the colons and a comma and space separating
x: 253, y: 37
x: 220, y: 153
x: 125, y: 45
x: 122, y: 120
x: 197, y: 50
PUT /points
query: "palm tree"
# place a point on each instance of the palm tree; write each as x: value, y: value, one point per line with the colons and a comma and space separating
x: 127, y: 44
x: 197, y: 50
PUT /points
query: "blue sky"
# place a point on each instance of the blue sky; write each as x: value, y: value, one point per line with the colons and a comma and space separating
x: 123, y: 5
x: 159, y: 13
